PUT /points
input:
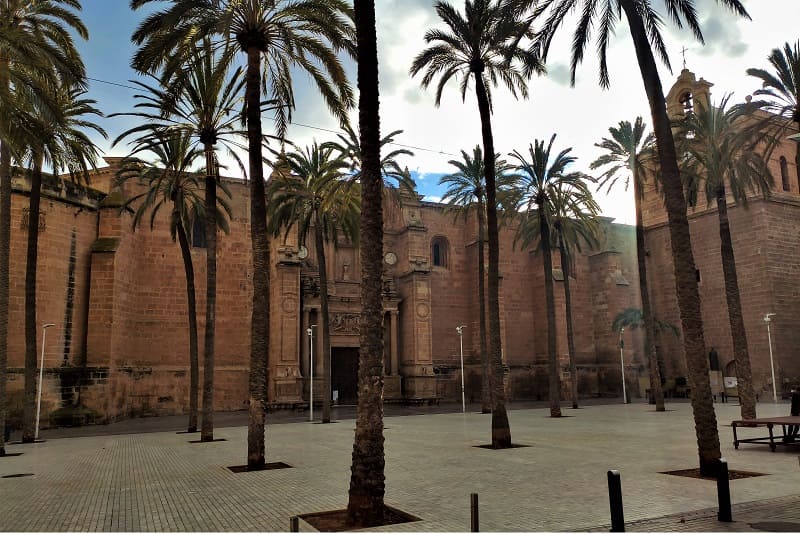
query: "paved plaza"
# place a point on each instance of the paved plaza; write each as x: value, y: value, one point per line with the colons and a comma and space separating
x: 159, y: 481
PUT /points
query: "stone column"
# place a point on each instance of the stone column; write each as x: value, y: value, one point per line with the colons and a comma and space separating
x: 393, y: 343
x: 304, y: 344
x: 318, y: 346
x: 392, y: 381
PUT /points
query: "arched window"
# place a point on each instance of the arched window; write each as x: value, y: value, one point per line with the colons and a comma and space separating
x: 686, y: 100
x: 439, y: 252
x: 784, y: 174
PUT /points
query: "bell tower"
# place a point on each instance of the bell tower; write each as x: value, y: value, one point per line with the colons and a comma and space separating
x: 687, y: 93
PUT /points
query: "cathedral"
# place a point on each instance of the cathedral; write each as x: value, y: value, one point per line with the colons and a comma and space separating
x: 116, y: 298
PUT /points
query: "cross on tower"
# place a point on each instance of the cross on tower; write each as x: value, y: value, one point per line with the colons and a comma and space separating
x: 683, y: 52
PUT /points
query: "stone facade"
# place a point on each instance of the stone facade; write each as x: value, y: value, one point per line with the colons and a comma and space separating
x: 118, y: 301
x: 765, y: 242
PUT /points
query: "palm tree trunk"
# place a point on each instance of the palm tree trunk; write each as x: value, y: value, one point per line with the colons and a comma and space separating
x: 550, y: 302
x: 486, y: 389
x: 319, y: 241
x: 647, y: 311
x: 29, y: 400
x: 570, y: 334
x: 744, y: 377
x: 5, y: 251
x: 501, y: 431
x: 682, y: 257
x: 365, y: 505
x: 259, y: 326
x: 194, y: 371
x: 5, y: 242
x: 207, y: 429
x: 797, y: 152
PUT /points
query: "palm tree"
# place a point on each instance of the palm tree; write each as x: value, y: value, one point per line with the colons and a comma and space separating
x: 34, y: 36
x: 644, y: 23
x: 630, y: 151
x: 547, y: 193
x: 466, y: 190
x: 201, y: 101
x: 477, y: 46
x: 348, y: 145
x: 285, y: 34
x: 782, y: 90
x: 172, y: 185
x: 720, y: 156
x: 575, y: 223
x: 365, y: 505
x: 634, y: 318
x: 60, y: 141
x: 313, y: 193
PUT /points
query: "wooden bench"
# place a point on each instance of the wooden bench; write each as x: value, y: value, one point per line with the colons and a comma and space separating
x: 789, y: 436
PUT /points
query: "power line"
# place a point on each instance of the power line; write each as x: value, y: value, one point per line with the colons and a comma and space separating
x: 114, y: 83
x: 309, y: 126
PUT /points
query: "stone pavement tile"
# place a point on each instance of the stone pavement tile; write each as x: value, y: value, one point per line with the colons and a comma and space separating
x: 161, y: 482
x: 785, y: 510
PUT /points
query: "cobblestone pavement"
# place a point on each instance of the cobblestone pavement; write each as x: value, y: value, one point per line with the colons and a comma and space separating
x: 159, y: 481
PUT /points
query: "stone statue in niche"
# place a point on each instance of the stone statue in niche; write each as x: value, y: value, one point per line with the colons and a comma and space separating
x: 345, y: 271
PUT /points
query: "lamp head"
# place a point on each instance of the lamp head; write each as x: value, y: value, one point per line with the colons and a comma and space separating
x: 48, y: 325
x: 460, y: 329
x: 768, y: 317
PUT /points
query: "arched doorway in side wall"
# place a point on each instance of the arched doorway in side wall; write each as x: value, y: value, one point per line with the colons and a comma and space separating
x: 344, y: 375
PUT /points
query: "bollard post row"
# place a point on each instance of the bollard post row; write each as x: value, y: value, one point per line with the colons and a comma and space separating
x: 724, y: 492
x: 473, y: 513
x: 615, y: 501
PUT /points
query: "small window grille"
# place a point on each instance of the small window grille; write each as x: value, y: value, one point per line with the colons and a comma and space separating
x: 199, y: 232
x: 784, y: 174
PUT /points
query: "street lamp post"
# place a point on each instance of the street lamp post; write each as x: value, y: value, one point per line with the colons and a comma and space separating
x: 768, y: 320
x: 460, y: 330
x: 622, y: 365
x: 310, y: 332
x: 41, y: 376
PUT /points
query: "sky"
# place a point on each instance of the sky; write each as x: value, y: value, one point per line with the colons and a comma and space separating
x: 580, y: 116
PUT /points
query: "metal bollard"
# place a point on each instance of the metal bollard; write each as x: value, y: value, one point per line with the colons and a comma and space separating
x: 294, y: 524
x: 724, y: 492
x: 615, y: 500
x: 473, y: 513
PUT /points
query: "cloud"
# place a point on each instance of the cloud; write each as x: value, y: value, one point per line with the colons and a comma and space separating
x: 558, y: 73
x: 722, y: 38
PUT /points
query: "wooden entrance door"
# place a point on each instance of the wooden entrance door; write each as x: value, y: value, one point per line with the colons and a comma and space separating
x: 344, y: 374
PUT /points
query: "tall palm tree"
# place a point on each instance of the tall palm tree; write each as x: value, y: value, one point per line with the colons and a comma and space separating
x: 172, y: 185
x: 60, y: 141
x: 34, y: 35
x: 547, y: 193
x: 465, y: 192
x: 630, y: 151
x: 782, y: 90
x: 202, y: 101
x: 575, y: 225
x: 478, y: 46
x: 314, y: 193
x: 365, y: 506
x: 284, y: 34
x: 644, y: 23
x: 722, y: 156
x: 350, y: 148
